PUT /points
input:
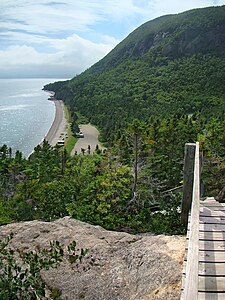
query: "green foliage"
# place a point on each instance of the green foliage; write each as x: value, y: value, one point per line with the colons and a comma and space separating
x: 140, y: 89
x: 20, y: 271
x: 167, y: 219
x: 103, y: 200
x: 73, y: 255
x: 103, y: 188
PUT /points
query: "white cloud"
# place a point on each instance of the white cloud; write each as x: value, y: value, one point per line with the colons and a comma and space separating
x: 45, y: 16
x: 176, y: 6
x: 67, y: 36
x: 72, y: 56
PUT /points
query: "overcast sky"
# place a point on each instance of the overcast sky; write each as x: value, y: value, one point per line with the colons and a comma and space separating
x: 61, y: 38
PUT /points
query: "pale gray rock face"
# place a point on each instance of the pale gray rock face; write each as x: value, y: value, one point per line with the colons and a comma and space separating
x: 119, y: 266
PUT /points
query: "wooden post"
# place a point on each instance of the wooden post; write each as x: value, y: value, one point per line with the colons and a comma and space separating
x: 189, y: 159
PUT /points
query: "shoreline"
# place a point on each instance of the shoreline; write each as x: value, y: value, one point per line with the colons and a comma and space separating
x: 58, y: 129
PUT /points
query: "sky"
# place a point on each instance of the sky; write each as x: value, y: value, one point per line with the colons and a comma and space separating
x: 62, y: 38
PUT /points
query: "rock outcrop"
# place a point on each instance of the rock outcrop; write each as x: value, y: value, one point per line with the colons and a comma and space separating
x: 118, y: 265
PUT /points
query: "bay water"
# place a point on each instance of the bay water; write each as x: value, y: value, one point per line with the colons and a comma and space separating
x: 25, y: 113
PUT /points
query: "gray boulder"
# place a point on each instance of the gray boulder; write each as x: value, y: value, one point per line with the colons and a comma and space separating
x: 119, y: 266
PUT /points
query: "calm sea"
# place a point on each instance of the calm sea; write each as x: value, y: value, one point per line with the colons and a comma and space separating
x: 25, y: 113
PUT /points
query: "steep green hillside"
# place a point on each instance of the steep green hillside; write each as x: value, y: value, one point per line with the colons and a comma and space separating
x: 172, y: 64
x: 195, y: 31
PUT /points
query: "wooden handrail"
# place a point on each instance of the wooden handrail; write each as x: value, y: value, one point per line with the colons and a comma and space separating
x: 191, y: 280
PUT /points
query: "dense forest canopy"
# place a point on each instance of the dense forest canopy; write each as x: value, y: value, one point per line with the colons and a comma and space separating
x: 159, y: 88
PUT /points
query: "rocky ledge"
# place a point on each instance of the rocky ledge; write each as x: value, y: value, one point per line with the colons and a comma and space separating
x: 118, y: 265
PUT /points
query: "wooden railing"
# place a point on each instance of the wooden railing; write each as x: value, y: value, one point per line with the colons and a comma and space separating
x: 191, y: 200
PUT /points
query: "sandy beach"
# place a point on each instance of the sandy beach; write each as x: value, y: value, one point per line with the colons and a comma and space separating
x: 58, y: 129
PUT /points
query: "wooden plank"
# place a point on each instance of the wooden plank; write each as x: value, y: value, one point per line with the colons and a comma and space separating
x: 211, y: 212
x: 209, y: 203
x: 212, y: 245
x: 210, y: 199
x: 211, y: 269
x: 191, y: 281
x: 205, y: 202
x: 205, y: 212
x: 210, y: 296
x: 219, y: 215
x: 212, y: 204
x: 212, y: 256
x: 212, y: 220
x: 209, y: 236
x: 211, y: 284
x: 214, y: 208
x: 212, y: 227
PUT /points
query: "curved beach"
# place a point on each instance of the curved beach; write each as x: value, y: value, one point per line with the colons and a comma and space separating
x: 58, y: 129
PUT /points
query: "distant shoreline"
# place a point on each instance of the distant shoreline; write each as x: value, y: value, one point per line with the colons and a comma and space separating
x: 58, y: 128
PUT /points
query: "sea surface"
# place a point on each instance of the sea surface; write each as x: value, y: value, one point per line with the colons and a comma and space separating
x: 25, y: 113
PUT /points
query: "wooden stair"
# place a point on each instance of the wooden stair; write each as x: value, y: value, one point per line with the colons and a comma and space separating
x: 211, y: 254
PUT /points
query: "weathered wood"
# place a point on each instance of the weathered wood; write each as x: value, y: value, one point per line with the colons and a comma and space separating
x: 189, y: 160
x: 205, y: 248
x: 206, y: 212
x: 211, y: 269
x: 213, y: 204
x: 209, y: 236
x: 215, y: 208
x: 212, y: 245
x: 204, y: 269
x: 212, y: 220
x: 212, y: 227
x: 208, y: 199
x: 191, y: 280
x: 212, y: 236
x: 211, y: 296
x: 212, y: 256
x: 211, y: 284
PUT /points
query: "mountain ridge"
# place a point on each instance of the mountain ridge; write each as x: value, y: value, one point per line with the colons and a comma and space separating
x: 171, y: 64
x: 151, y: 33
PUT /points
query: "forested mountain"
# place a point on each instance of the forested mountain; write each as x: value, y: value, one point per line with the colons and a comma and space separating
x: 161, y: 87
x: 172, y: 64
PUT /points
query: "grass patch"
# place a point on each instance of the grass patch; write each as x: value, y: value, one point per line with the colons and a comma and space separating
x: 70, y: 143
x: 71, y: 139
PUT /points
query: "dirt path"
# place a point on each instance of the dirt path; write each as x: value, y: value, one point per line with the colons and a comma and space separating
x: 90, y: 138
x: 58, y: 128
